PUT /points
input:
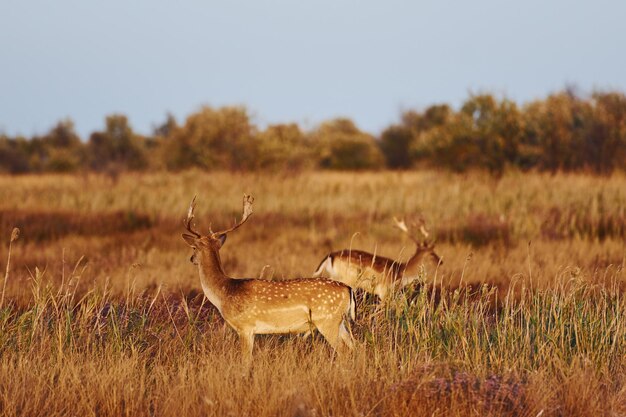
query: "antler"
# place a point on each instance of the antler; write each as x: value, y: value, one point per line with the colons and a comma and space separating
x: 423, y: 231
x: 420, y: 226
x: 247, y: 211
x: 400, y: 224
x: 189, y: 218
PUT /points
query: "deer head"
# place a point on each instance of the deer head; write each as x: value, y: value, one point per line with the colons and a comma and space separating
x: 214, y: 240
x: 424, y: 246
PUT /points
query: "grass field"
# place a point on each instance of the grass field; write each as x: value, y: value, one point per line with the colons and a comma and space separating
x: 103, y: 312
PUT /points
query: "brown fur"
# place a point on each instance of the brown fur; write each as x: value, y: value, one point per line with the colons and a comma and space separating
x: 375, y: 274
x: 362, y: 258
x: 256, y: 306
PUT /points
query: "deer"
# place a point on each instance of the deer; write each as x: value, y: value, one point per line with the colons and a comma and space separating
x: 254, y: 306
x: 376, y: 274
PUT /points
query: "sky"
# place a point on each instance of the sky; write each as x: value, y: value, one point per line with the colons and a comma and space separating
x: 297, y: 61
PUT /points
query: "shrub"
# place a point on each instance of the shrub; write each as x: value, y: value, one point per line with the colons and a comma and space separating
x: 13, y: 155
x: 343, y: 146
x: 395, y: 144
x: 117, y: 147
x: 283, y: 146
x: 212, y: 139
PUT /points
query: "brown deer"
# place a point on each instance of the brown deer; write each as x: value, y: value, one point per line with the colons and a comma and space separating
x: 257, y: 306
x: 377, y: 274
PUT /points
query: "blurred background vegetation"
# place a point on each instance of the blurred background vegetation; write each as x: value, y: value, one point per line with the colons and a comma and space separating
x: 563, y: 132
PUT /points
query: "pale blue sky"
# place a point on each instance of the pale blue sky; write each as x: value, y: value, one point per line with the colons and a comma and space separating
x: 293, y: 60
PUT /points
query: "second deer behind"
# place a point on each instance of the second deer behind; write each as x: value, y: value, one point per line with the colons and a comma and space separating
x: 377, y: 274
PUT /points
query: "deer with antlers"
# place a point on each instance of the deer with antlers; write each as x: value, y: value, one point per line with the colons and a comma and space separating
x: 377, y: 274
x: 257, y: 306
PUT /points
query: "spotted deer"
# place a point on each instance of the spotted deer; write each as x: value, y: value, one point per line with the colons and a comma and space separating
x: 257, y: 306
x: 377, y: 274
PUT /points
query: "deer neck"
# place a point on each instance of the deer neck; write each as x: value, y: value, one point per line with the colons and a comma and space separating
x: 413, y: 265
x: 212, y: 277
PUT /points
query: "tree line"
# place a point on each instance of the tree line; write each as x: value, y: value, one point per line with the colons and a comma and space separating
x: 562, y: 132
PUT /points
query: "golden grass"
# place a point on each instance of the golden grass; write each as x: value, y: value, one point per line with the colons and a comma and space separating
x: 112, y: 322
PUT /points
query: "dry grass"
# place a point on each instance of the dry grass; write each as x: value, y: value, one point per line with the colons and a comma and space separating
x: 111, y: 322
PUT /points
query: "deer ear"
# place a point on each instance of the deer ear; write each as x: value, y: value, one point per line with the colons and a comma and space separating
x: 222, y: 239
x: 190, y: 240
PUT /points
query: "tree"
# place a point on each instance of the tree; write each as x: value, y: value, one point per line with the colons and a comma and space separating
x: 117, y: 147
x: 342, y: 145
x: 62, y: 149
x: 13, y: 155
x: 167, y: 128
x: 557, y: 126
x: 403, y: 144
x: 605, y: 145
x: 213, y: 139
x: 484, y: 134
x: 283, y: 146
x: 396, y: 142
x: 433, y: 116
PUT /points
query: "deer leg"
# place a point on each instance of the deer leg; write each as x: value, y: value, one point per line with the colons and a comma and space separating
x: 381, y: 291
x: 247, y: 343
x: 330, y: 331
x: 345, y: 336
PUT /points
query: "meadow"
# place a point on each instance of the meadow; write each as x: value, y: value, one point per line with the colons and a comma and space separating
x: 102, y: 313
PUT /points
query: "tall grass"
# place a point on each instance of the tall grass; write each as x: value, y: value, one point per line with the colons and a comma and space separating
x: 148, y: 354
x: 105, y: 318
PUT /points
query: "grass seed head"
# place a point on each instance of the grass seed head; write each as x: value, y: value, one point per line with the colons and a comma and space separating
x: 15, y: 234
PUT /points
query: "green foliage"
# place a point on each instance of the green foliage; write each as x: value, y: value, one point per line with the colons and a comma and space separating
x: 563, y: 132
x: 606, y: 146
x: 13, y: 155
x: 558, y: 127
x: 59, y: 150
x: 343, y: 146
x: 63, y: 160
x: 436, y: 115
x: 283, y: 146
x: 212, y: 139
x: 568, y: 133
x: 395, y: 143
x: 483, y: 134
x: 167, y: 128
x: 116, y: 147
